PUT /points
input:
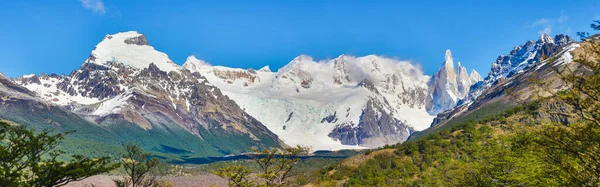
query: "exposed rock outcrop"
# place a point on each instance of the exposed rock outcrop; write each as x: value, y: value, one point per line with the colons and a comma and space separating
x: 448, y: 87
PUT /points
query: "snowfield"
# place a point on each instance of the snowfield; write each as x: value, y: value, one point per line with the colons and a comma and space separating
x: 294, y: 101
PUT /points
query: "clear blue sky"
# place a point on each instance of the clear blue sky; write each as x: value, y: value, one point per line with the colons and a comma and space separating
x: 57, y: 36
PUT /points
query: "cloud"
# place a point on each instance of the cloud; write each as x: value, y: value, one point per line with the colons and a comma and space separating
x: 547, y: 24
x: 563, y: 18
x: 546, y: 30
x: 542, y: 21
x: 96, y: 6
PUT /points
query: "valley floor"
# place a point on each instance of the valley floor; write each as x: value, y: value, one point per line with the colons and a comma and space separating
x: 203, y: 180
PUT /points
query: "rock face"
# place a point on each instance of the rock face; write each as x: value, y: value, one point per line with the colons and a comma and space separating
x: 445, y: 93
x: 521, y: 57
x: 463, y: 81
x: 126, y: 79
x: 448, y: 87
x: 375, y: 128
x: 475, y: 77
x: 513, y: 72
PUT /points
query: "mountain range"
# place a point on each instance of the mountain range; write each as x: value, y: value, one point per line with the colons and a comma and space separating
x: 128, y: 91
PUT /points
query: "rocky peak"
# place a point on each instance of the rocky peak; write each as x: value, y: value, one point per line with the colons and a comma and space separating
x: 265, y: 69
x: 131, y: 49
x: 448, y: 62
x: 137, y: 40
x: 545, y: 38
x: 298, y: 60
x: 341, y: 70
x: 462, y: 81
x: 563, y: 39
x: 443, y: 88
x: 447, y: 87
x: 193, y: 63
x: 527, y: 54
x: 449, y: 69
x: 475, y: 77
x: 521, y: 58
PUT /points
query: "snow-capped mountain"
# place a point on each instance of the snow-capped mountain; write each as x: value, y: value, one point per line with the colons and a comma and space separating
x: 125, y: 78
x: 448, y: 87
x: 534, y: 59
x: 346, y: 102
x: 521, y: 57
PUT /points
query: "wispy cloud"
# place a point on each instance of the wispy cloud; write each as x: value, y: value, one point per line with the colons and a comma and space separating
x: 547, y: 24
x: 96, y: 6
x: 541, y: 21
x: 563, y: 18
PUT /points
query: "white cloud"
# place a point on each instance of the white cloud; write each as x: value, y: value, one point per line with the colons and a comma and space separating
x: 96, y: 6
x: 546, y: 30
x: 542, y: 21
x: 547, y: 24
x: 563, y: 18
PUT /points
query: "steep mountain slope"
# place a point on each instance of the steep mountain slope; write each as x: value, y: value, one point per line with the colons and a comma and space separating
x: 125, y: 80
x: 521, y: 57
x: 346, y: 102
x: 509, y: 81
x: 171, y: 143
x: 499, y: 139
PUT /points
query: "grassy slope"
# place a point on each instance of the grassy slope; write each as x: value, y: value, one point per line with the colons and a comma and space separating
x: 487, y: 111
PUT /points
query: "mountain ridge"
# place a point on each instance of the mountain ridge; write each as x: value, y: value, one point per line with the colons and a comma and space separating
x: 125, y: 80
x: 325, y: 100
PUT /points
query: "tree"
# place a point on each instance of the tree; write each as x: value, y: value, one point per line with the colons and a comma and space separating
x: 274, y: 164
x: 595, y: 26
x: 575, y: 148
x: 238, y: 176
x: 138, y: 168
x: 30, y: 159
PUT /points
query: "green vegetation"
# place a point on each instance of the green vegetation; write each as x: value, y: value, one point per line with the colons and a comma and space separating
x: 139, y: 169
x: 31, y: 159
x: 274, y: 168
x: 169, y: 142
x: 495, y: 153
x: 489, y: 112
x: 554, y: 141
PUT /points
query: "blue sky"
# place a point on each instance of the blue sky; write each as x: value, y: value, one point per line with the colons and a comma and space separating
x: 57, y: 36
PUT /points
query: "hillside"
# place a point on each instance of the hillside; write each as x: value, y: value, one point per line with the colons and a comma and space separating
x: 461, y: 156
x: 126, y: 91
x: 516, y: 85
x: 548, y: 138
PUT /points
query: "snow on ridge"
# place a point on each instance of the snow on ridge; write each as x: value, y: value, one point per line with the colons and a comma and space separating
x: 193, y: 63
x: 567, y: 57
x: 296, y: 113
x: 373, y: 67
x: 113, y: 105
x: 48, y: 90
x: 113, y: 48
x: 265, y: 69
x: 475, y: 77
